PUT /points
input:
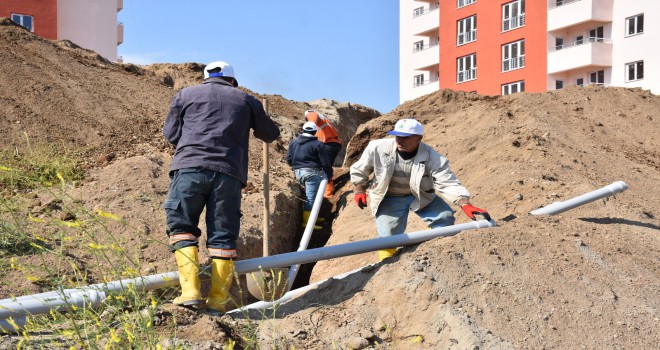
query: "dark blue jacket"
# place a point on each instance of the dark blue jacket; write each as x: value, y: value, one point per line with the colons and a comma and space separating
x: 210, y: 126
x: 308, y: 152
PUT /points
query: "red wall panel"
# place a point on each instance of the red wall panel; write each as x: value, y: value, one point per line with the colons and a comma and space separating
x: 488, y: 46
x: 43, y: 12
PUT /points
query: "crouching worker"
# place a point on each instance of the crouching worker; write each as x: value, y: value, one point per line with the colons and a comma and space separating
x: 210, y: 126
x: 407, y: 173
x: 309, y: 160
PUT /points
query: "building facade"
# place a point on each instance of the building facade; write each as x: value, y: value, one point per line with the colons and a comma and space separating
x: 91, y: 24
x: 498, y: 47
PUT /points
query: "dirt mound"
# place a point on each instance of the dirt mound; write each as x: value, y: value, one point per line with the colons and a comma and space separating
x: 587, y: 278
x: 111, y: 115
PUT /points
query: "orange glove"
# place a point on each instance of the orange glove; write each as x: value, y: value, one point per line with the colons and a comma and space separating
x: 361, y: 200
x: 470, y: 210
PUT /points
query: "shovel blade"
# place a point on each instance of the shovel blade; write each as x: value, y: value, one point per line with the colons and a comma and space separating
x: 268, y: 285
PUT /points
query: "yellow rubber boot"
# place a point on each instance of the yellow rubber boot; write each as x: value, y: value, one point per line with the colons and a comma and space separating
x: 186, y: 261
x: 222, y: 275
x: 305, y: 218
x: 329, y: 190
x: 386, y: 253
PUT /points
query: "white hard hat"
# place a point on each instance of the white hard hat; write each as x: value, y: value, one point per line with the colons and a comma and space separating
x: 407, y: 127
x: 309, y: 127
x: 225, y: 70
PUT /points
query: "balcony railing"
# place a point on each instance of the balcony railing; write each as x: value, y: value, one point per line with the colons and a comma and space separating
x: 426, y: 82
x: 513, y: 63
x: 466, y: 75
x: 513, y: 22
x: 467, y: 37
x: 419, y: 48
x: 461, y: 3
x: 579, y: 43
x: 557, y: 3
x: 422, y: 11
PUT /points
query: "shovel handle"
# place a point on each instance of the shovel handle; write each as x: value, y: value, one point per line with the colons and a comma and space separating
x: 266, y: 186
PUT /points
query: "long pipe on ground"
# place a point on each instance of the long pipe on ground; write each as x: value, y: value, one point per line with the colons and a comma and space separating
x: 560, y: 207
x: 309, y: 228
x: 93, y: 295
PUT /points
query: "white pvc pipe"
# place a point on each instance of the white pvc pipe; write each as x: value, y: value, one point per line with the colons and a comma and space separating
x: 309, y: 228
x: 560, y: 207
x: 93, y: 295
x: 352, y: 248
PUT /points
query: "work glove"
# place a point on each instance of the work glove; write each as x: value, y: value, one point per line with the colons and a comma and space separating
x: 361, y: 200
x: 470, y: 210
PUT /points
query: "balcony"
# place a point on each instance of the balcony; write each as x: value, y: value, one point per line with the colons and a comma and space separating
x: 120, y: 33
x: 566, y: 13
x: 596, y: 53
x: 426, y: 22
x: 426, y: 56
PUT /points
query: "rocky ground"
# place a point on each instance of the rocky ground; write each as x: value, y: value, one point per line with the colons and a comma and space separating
x: 584, y: 279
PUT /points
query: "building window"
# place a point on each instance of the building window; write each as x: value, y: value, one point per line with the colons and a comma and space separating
x: 635, y: 71
x: 461, y: 3
x: 635, y: 25
x: 596, y: 35
x: 559, y: 43
x: 419, y: 80
x: 579, y: 81
x: 559, y: 84
x: 467, y: 30
x: 24, y: 20
x: 579, y: 40
x: 418, y: 11
x: 513, y: 56
x: 513, y: 15
x: 466, y: 68
x: 512, y: 88
x: 418, y: 46
x: 597, y: 77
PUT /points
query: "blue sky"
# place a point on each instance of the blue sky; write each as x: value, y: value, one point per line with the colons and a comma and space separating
x: 345, y: 50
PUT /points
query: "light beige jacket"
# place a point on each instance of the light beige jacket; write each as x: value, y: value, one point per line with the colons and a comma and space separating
x: 430, y: 173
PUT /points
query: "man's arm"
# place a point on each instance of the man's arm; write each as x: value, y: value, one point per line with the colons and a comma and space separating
x: 174, y: 121
x: 362, y: 170
x: 325, y: 160
x: 265, y: 128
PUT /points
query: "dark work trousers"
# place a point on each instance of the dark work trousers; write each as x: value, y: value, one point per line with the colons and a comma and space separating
x: 332, y: 149
x: 192, y: 189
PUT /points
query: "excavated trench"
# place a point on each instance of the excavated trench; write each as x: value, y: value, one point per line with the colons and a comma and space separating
x: 329, y: 211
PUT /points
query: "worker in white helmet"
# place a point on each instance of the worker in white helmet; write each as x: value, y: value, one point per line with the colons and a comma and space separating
x: 309, y: 160
x: 327, y: 133
x: 407, y: 174
x: 210, y: 126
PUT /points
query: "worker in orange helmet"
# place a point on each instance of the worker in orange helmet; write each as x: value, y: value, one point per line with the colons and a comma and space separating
x: 328, y: 135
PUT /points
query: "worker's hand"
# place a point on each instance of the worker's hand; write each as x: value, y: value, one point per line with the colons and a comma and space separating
x: 470, y: 210
x: 361, y: 200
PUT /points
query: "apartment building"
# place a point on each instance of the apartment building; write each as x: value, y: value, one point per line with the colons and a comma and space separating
x: 608, y: 42
x: 91, y: 24
x: 498, y: 47
x: 419, y: 55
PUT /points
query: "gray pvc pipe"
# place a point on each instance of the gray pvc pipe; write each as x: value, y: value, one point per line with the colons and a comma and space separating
x: 560, y: 207
x: 93, y: 295
x: 346, y: 249
x: 309, y: 228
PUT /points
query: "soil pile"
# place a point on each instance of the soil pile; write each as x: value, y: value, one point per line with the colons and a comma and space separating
x: 585, y: 279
